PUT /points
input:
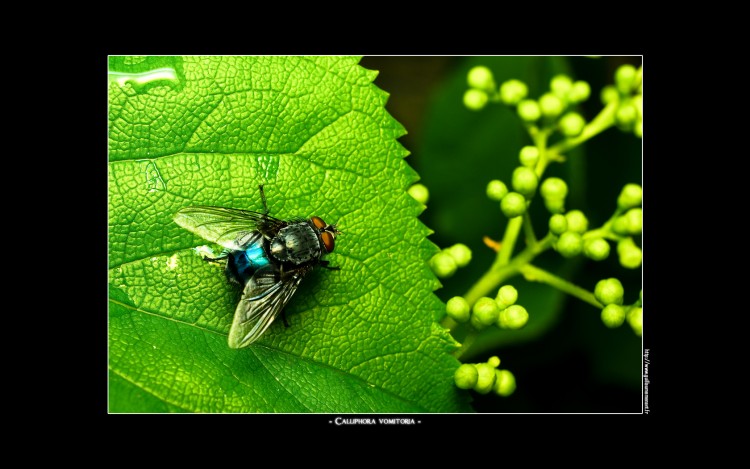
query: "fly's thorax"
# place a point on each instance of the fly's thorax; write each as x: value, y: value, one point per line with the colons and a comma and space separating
x: 297, y: 243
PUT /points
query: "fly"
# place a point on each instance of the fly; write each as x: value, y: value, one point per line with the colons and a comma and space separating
x: 267, y: 256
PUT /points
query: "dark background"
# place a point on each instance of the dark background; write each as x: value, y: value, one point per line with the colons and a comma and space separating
x: 565, y: 359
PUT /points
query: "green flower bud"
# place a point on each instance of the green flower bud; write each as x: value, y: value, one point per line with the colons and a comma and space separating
x: 528, y: 110
x: 620, y: 226
x: 505, y: 383
x: 580, y: 92
x: 458, y: 309
x: 513, y: 205
x: 554, y: 188
x: 630, y: 196
x: 626, y: 114
x: 624, y: 78
x: 513, y: 91
x: 638, y: 129
x: 561, y: 85
x: 529, y: 156
x: 474, y: 321
x: 577, y: 221
x: 485, y: 378
x: 596, y: 249
x: 513, y: 317
x: 496, y: 190
x: 629, y: 254
x: 551, y: 105
x: 420, y: 193
x: 625, y: 244
x: 639, y: 80
x: 634, y: 219
x: 555, y: 205
x: 443, y: 264
x: 609, y: 291
x: 613, y: 315
x: 635, y: 319
x: 486, y: 311
x: 558, y: 224
x: 524, y: 181
x: 480, y: 77
x: 569, y: 244
x: 475, y: 99
x: 466, y: 376
x: 494, y: 362
x: 571, y: 124
x: 638, y: 103
x: 506, y: 296
x: 460, y: 253
x: 609, y: 93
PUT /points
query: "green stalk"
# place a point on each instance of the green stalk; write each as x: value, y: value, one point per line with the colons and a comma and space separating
x: 499, y: 272
x: 604, y: 120
x: 529, y: 230
x: 535, y: 274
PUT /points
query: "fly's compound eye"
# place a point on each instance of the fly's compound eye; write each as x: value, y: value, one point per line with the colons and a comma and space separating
x: 328, y: 240
x: 318, y: 222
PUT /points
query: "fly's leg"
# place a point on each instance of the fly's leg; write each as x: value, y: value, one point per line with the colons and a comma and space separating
x: 222, y: 255
x: 229, y: 267
x: 263, y: 199
x: 283, y: 318
x: 325, y: 265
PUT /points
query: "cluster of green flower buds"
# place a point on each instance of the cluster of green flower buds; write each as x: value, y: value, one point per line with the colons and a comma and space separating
x: 627, y: 92
x: 481, y: 88
x: 485, y: 378
x: 629, y: 224
x: 571, y: 229
x: 552, y: 107
x: 610, y: 293
x: 524, y: 183
x: 445, y: 262
x: 502, y: 311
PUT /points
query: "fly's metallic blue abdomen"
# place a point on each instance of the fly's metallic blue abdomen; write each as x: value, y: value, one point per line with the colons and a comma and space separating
x: 243, y: 264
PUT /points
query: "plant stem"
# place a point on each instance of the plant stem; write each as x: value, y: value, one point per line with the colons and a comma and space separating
x: 529, y: 229
x: 605, y: 231
x: 449, y: 323
x: 604, y: 120
x: 468, y: 340
x: 540, y: 140
x: 508, y: 242
x: 535, y: 274
x: 498, y: 272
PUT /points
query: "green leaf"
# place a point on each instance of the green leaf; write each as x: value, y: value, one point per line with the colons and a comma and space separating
x: 206, y: 131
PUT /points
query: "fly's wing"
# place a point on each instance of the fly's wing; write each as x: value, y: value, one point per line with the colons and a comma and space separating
x: 231, y: 228
x: 265, y: 295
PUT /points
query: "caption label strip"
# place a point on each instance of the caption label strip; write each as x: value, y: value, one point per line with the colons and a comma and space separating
x: 379, y: 421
